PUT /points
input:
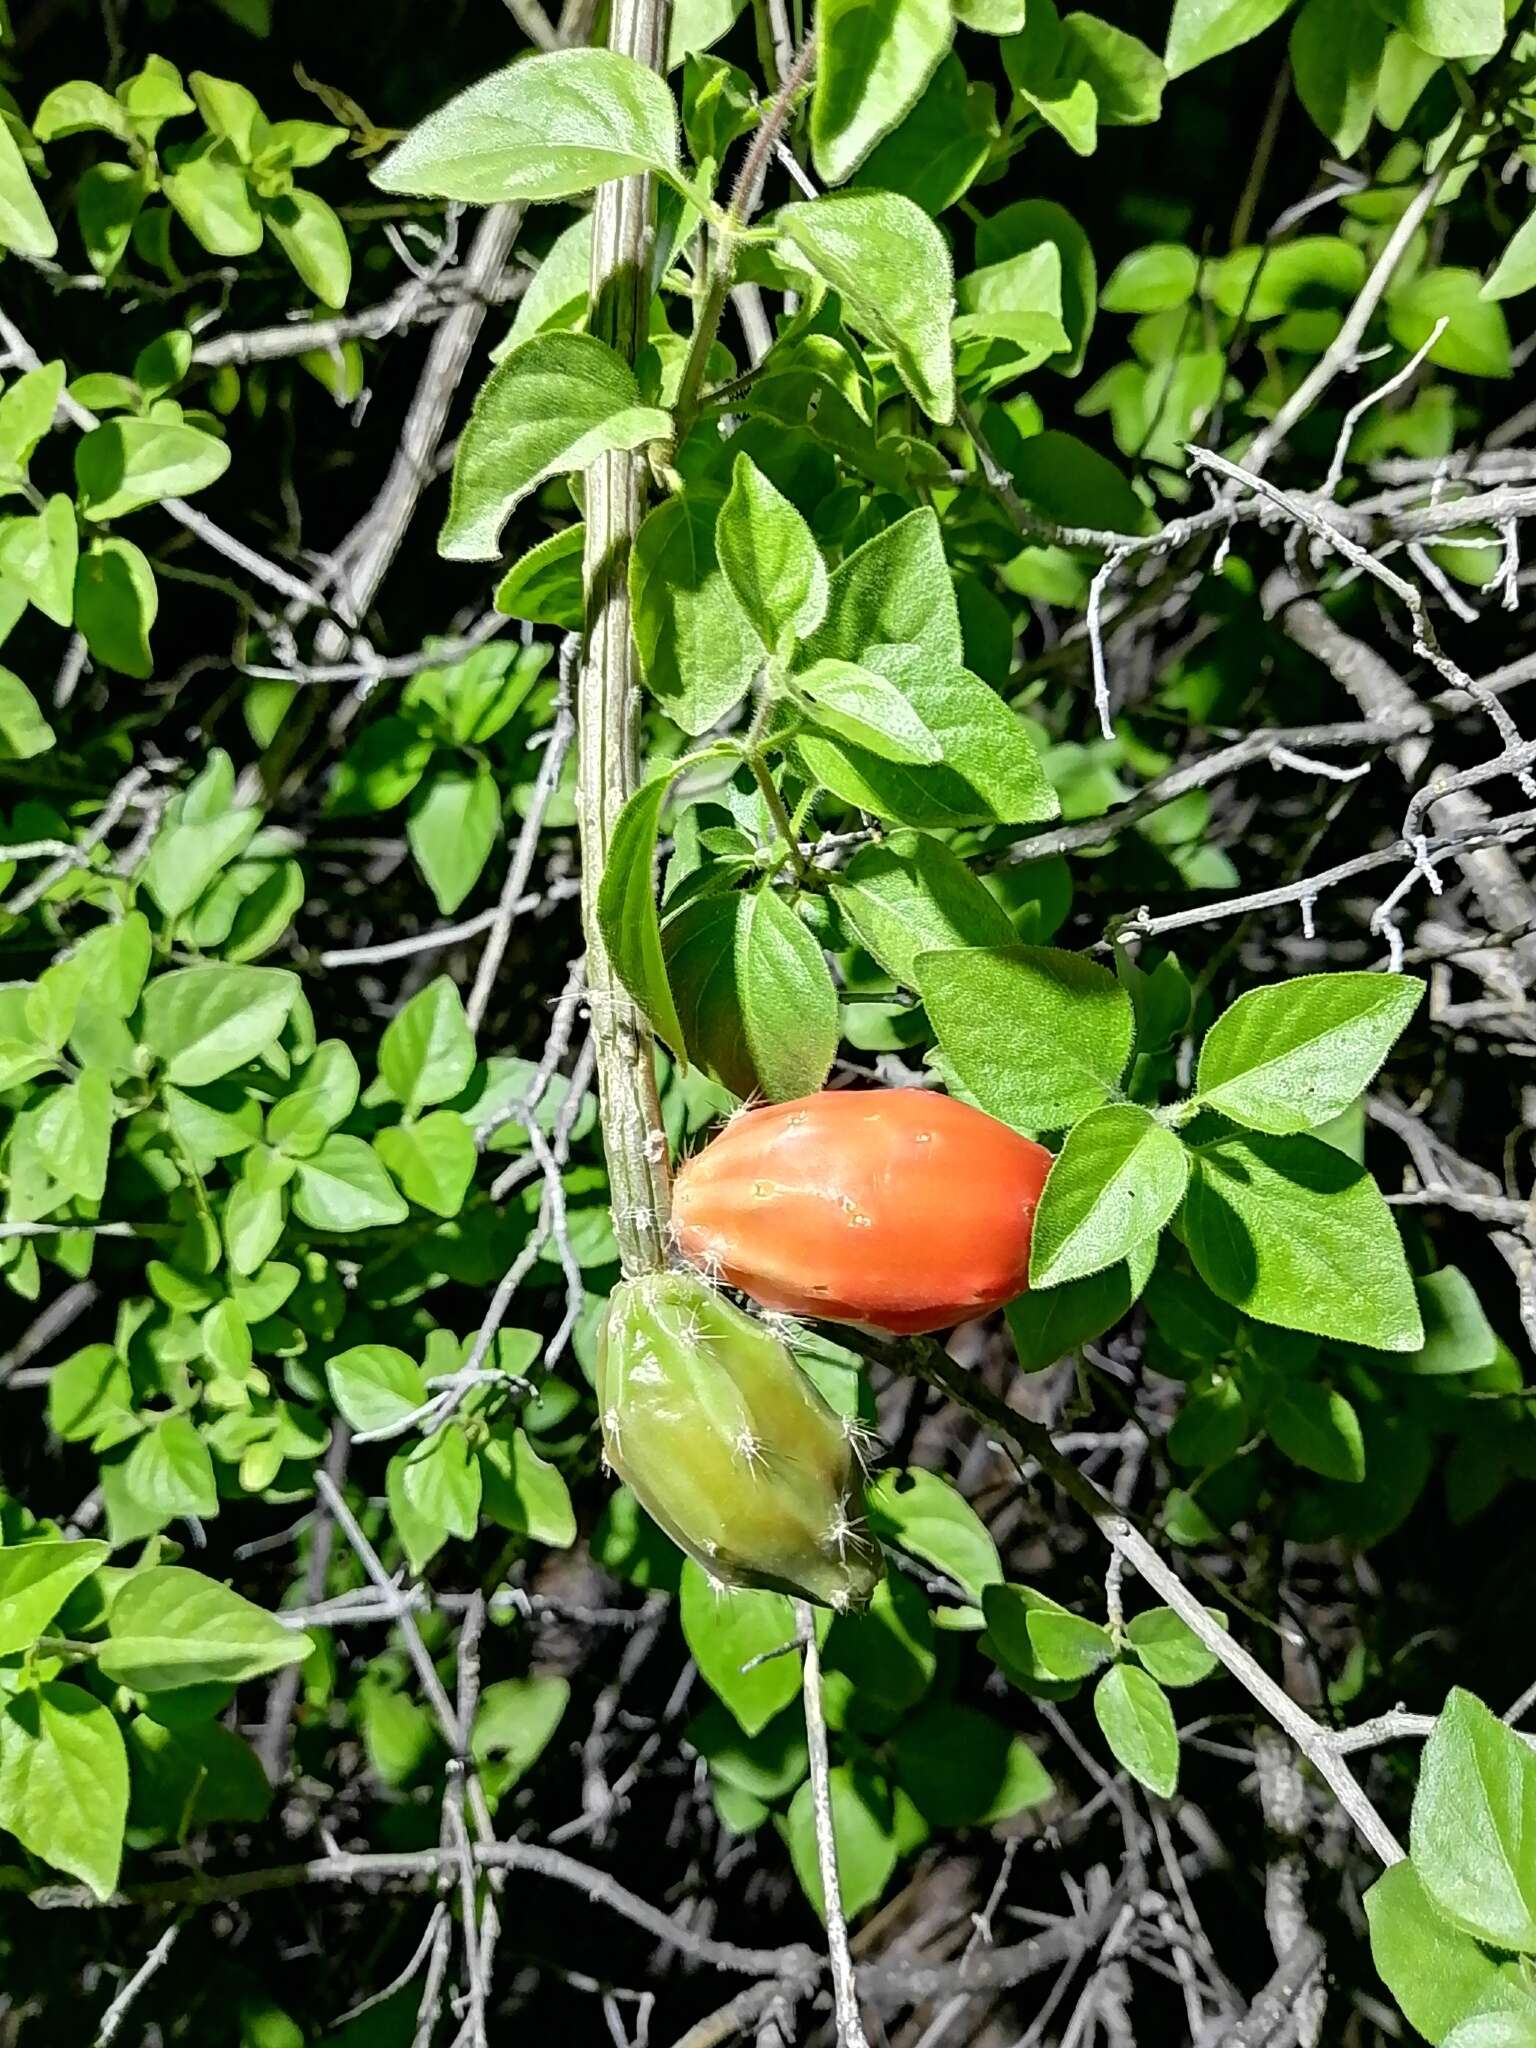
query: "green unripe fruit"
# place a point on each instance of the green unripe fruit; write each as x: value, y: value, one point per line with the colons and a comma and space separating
x: 726, y: 1443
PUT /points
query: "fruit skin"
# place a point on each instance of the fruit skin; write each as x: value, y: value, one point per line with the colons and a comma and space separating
x: 895, y: 1208
x: 726, y: 1443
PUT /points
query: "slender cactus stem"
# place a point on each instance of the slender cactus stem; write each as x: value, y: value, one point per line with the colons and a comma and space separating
x: 845, y: 1993
x: 608, y: 696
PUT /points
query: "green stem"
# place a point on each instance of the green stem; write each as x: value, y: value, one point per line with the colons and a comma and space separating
x: 608, y: 699
x: 67, y: 1647
x: 780, y: 816
x: 722, y: 265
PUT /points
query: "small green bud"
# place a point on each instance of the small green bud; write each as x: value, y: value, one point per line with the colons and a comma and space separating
x: 726, y: 1443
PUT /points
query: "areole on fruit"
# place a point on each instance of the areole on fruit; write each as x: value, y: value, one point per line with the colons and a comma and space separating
x: 897, y: 1208
x: 728, y: 1446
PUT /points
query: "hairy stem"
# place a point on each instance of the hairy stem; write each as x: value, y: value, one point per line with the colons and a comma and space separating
x: 608, y: 697
x: 722, y: 265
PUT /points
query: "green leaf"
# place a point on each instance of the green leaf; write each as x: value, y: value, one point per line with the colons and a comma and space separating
x: 873, y: 59
x: 1038, y: 1036
x: 24, y: 732
x: 1476, y: 340
x: 699, y: 947
x: 315, y: 243
x: 1474, y: 1825
x: 433, y: 1490
x: 1136, y: 1720
x: 557, y: 294
x: 626, y: 909
x: 1203, y: 29
x: 887, y: 1649
x: 452, y: 828
x: 1296, y: 1234
x: 1213, y: 1424
x: 893, y: 592
x: 1155, y: 279
x: 993, y: 17
x: 64, y: 1773
x: 116, y: 602
x: 1010, y: 247
x: 27, y: 407
x: 941, y: 147
x: 191, y: 850
x: 990, y: 770
x: 203, y: 1022
x: 167, y: 1474
x: 891, y: 608
x: 124, y: 464
x: 437, y: 1485
x: 169, y: 1628
x: 862, y: 1834
x: 37, y: 556
x: 1040, y: 1638
x: 553, y: 405
x: 1067, y: 480
x: 788, y: 1003
x: 375, y: 1386
x: 433, y: 1159
x: 1515, y: 271
x: 207, y: 186
x: 1116, y: 1182
x: 24, y: 224
x: 891, y: 268
x: 863, y: 707
x: 524, y: 1492
x: 35, y: 1581
x: 90, y: 1396
x: 770, y: 559
x: 77, y: 108
x: 1317, y: 1428
x: 1458, y: 1337
x: 427, y: 1053
x: 908, y: 895
x: 1496, y: 2029
x: 545, y: 128
x: 514, y: 1723
x: 323, y: 1096
x: 1045, y: 1327
x: 923, y: 1514
x: 1336, y: 58
x: 628, y: 1543
x: 1405, y: 71
x: 696, y: 24
x: 765, y: 1766
x: 1018, y: 301
x: 544, y: 586
x: 697, y: 648
x: 192, y: 1776
x: 1126, y: 77
x: 1169, y: 1647
x: 1437, y: 1973
x: 231, y: 112
x: 344, y: 1187
x: 1290, y: 1057
x: 108, y: 201
x: 1449, y: 28
x: 1039, y: 1643
x: 960, y: 1768
x: 727, y: 1628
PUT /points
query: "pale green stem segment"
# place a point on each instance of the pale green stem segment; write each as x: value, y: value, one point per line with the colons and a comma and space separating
x: 608, y: 697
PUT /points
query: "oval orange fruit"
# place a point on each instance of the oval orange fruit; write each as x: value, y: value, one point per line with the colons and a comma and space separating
x: 897, y: 1208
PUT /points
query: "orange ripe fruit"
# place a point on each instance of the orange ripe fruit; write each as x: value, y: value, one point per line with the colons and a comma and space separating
x: 896, y: 1208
